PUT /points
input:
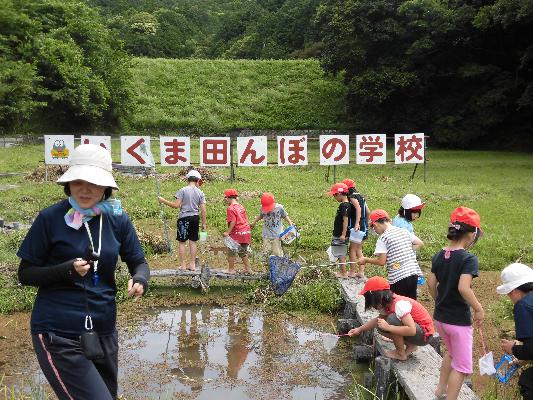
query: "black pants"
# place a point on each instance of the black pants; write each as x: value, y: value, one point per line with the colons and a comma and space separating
x: 526, y: 384
x: 406, y: 287
x: 71, y: 375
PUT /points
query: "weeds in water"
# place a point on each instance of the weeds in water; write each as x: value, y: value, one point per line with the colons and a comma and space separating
x: 32, y: 392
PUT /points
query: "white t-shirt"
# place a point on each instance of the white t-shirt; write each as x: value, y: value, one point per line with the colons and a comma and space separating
x: 403, y: 307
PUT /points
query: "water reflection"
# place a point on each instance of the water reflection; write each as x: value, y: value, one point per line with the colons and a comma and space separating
x: 210, y: 353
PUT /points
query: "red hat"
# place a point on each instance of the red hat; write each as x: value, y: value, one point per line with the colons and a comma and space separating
x: 349, y: 182
x: 268, y: 202
x: 230, y: 193
x: 466, y: 216
x: 338, y: 188
x: 375, y: 283
x: 378, y: 214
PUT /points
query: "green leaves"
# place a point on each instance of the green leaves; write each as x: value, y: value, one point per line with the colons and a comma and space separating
x: 459, y: 71
x: 59, y: 57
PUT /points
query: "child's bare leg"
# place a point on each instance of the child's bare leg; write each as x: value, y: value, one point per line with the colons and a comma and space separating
x: 182, y: 251
x: 193, y: 250
x: 359, y: 253
x: 231, y: 264
x: 353, y: 259
x: 410, y: 348
x: 399, y: 353
x: 342, y: 263
x: 455, y: 381
x: 246, y: 263
x: 445, y: 370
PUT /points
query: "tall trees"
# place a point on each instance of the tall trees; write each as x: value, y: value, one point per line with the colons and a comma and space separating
x: 57, y: 57
x: 457, y: 70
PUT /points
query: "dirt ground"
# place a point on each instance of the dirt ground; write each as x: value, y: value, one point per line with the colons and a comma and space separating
x: 16, y: 348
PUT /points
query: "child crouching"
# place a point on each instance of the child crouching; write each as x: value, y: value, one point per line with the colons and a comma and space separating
x: 404, y: 320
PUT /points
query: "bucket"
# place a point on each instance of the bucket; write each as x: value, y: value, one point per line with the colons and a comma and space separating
x: 231, y: 244
x: 289, y: 234
x: 203, y: 236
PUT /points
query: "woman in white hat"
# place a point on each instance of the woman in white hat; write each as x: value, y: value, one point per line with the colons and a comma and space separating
x: 410, y: 210
x: 517, y: 283
x: 70, y: 253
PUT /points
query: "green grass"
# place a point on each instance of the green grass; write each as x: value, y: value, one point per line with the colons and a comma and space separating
x: 497, y: 185
x: 221, y: 95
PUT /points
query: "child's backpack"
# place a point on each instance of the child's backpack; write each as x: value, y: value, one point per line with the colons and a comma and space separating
x: 362, y: 203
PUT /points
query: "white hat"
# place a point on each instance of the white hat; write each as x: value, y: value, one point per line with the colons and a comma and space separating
x: 90, y: 163
x: 514, y: 275
x: 194, y: 174
x: 412, y: 202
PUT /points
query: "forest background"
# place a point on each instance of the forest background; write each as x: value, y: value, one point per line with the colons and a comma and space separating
x: 460, y: 71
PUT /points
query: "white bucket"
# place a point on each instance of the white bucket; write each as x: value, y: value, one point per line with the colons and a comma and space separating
x: 289, y: 234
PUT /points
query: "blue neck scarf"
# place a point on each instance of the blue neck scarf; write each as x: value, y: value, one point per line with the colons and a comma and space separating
x: 76, y: 216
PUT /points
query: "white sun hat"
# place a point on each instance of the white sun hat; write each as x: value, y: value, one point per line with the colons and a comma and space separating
x: 514, y: 275
x: 194, y: 174
x: 90, y: 163
x: 412, y: 202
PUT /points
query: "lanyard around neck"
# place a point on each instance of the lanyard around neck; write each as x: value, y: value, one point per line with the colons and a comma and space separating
x: 99, y: 240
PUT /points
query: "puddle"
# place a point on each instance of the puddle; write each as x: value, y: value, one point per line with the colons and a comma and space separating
x: 204, y: 352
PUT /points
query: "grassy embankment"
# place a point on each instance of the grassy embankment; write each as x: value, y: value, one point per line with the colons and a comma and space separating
x: 221, y: 95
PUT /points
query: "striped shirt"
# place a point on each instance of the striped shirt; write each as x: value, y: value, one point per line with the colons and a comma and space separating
x: 397, y: 243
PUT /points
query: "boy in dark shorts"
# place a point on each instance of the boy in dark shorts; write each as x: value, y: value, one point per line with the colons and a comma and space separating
x: 191, y: 202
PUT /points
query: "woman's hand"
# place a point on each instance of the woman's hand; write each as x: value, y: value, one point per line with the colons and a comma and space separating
x: 81, y: 266
x: 160, y: 199
x: 135, y: 289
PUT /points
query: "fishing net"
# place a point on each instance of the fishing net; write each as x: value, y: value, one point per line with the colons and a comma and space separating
x: 282, y: 273
x: 329, y: 341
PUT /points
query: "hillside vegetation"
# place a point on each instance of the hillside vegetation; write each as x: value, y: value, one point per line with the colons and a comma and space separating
x: 219, y: 95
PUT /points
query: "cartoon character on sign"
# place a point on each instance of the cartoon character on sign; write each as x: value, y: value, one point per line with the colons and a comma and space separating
x: 59, y: 150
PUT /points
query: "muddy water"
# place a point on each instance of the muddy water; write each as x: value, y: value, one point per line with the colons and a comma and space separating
x: 204, y: 352
x: 213, y: 353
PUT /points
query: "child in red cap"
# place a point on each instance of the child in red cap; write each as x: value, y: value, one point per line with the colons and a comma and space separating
x: 272, y: 214
x: 395, y: 248
x: 341, y: 228
x: 358, y: 225
x: 450, y: 281
x: 238, y: 232
x: 403, y: 320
